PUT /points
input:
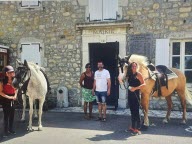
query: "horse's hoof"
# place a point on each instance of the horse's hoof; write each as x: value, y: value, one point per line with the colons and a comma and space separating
x: 40, y: 129
x: 165, y: 121
x: 22, y: 121
x: 30, y: 129
x: 183, y: 122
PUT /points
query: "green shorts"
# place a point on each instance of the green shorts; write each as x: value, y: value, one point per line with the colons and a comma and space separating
x: 87, y: 95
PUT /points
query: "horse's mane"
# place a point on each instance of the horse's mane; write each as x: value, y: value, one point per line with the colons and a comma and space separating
x: 139, y: 59
x: 35, y: 66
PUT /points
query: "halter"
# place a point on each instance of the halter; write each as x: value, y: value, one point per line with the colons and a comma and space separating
x: 24, y: 83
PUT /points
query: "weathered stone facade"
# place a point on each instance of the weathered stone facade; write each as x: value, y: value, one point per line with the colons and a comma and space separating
x: 55, y: 24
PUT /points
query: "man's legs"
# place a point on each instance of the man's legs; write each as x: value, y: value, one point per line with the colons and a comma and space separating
x: 104, y: 105
x: 104, y: 108
x: 100, y: 109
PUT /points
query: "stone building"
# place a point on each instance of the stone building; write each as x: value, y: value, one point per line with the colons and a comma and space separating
x: 63, y: 36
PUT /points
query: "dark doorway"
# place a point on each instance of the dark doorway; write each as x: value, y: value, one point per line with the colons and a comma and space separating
x: 108, y: 53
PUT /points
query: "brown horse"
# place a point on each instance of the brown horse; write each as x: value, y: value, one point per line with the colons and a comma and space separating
x: 176, y: 84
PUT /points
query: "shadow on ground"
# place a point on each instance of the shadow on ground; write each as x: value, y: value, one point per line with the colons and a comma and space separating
x: 115, y: 126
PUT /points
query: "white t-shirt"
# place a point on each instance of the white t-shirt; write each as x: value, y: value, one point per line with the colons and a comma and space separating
x: 101, y: 80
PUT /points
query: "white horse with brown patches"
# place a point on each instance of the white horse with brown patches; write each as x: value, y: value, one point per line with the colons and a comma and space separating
x: 30, y: 76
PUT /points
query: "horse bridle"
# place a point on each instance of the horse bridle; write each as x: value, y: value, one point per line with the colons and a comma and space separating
x: 23, y: 78
x: 122, y: 62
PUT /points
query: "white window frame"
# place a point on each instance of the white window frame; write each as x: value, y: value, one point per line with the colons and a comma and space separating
x: 182, y: 53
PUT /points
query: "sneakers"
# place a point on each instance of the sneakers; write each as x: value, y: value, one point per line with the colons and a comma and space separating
x: 138, y: 131
x: 133, y: 131
x: 104, y: 120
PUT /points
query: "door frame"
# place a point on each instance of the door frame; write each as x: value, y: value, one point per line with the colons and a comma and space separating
x: 120, y: 35
x: 116, y: 50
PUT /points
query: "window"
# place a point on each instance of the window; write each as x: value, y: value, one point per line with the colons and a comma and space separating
x: 31, y: 53
x: 103, y: 10
x: 30, y: 4
x: 181, y: 57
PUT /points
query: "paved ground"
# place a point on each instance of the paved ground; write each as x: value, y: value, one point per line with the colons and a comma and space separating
x: 71, y: 128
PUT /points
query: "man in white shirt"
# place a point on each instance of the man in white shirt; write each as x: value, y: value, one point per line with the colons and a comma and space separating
x: 102, y: 89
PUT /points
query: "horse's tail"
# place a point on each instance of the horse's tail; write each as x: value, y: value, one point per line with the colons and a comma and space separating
x: 188, y: 95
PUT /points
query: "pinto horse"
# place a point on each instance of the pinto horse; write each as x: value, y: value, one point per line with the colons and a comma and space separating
x: 31, y: 76
x: 175, y: 84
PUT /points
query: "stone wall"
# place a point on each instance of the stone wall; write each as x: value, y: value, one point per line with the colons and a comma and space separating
x: 54, y: 24
x: 159, y: 17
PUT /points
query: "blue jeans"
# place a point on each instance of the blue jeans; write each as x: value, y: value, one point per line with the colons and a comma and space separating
x: 101, y: 96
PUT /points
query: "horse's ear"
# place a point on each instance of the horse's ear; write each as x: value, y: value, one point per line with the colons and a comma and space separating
x: 18, y: 62
x: 119, y: 57
x: 26, y: 64
x: 127, y: 58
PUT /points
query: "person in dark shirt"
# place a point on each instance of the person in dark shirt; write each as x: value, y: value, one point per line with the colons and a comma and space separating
x: 8, y: 94
x: 86, y: 82
x: 136, y: 81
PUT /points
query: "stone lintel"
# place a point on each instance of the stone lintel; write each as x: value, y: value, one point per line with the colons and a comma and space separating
x: 89, y: 25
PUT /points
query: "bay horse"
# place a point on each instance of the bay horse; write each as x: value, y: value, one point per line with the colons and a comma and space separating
x: 30, y: 78
x: 175, y: 84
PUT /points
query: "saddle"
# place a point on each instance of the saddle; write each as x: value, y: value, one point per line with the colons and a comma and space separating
x: 160, y: 73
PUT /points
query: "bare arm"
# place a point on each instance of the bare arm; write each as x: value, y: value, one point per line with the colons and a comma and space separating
x: 81, y: 79
x: 108, y: 86
x: 15, y: 96
x: 94, y: 87
x: 3, y: 94
x: 140, y: 77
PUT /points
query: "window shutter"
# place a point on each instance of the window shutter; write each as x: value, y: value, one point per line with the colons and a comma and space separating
x: 34, y: 3
x: 25, y: 3
x: 31, y: 53
x: 162, y: 52
x: 95, y: 10
x: 110, y: 8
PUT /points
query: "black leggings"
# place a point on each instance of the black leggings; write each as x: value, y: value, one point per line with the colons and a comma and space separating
x: 8, y: 110
x: 134, y: 103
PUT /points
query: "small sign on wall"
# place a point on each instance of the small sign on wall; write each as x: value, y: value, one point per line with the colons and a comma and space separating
x: 141, y: 44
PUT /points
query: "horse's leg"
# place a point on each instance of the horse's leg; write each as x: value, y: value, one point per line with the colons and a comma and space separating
x: 24, y: 107
x: 169, y: 107
x: 35, y: 110
x: 181, y: 94
x: 30, y: 114
x: 41, y: 101
x: 145, y: 106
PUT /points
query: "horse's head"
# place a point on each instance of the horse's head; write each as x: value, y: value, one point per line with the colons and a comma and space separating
x: 123, y: 68
x: 21, y: 74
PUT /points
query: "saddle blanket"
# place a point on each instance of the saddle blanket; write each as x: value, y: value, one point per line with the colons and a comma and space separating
x: 170, y: 74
